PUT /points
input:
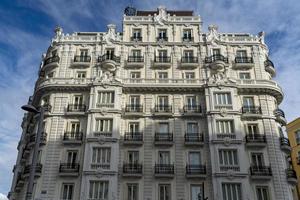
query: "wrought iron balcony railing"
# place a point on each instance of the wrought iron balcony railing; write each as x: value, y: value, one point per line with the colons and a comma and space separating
x: 136, y: 59
x: 195, y: 169
x: 189, y: 59
x: 76, y: 108
x: 136, y: 38
x: 133, y: 136
x: 260, y: 171
x: 163, y: 109
x: 193, y: 137
x: 243, y: 59
x: 251, y: 109
x: 215, y: 58
x: 53, y: 59
x: 162, y: 59
x: 163, y: 137
x: 73, y: 136
x: 132, y: 168
x: 192, y: 108
x: 164, y: 168
x: 109, y: 57
x: 255, y: 138
x: 134, y: 108
x: 162, y: 38
x: 69, y: 167
x: 82, y: 58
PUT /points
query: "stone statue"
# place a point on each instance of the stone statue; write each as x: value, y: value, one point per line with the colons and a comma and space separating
x: 161, y: 18
x: 261, y: 36
x: 213, y: 34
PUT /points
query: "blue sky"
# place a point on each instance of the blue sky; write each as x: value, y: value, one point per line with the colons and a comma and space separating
x: 27, y: 28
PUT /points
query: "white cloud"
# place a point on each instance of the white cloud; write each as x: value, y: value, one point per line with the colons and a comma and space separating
x: 3, y: 197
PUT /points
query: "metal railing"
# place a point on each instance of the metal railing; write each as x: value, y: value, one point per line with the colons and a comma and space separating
x: 134, y: 108
x: 269, y: 63
x: 136, y: 38
x: 162, y: 109
x: 193, y: 137
x: 164, y: 168
x: 251, y: 109
x: 76, y: 108
x: 224, y: 135
x: 284, y: 141
x: 162, y: 59
x: 132, y: 168
x: 255, y: 138
x: 192, y: 108
x: 38, y: 168
x: 43, y: 138
x: 244, y: 59
x: 82, y: 58
x: 69, y: 167
x: 163, y: 137
x: 162, y: 38
x: 215, y: 58
x: 189, y: 59
x: 73, y: 136
x: 279, y: 112
x: 290, y: 173
x: 53, y: 59
x: 133, y: 136
x: 187, y: 39
x: 109, y: 57
x: 195, y: 169
x: 136, y: 59
x: 260, y: 171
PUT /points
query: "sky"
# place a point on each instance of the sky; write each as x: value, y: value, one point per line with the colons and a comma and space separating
x: 27, y: 28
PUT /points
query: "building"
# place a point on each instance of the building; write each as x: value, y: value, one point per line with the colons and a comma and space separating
x: 159, y: 111
x: 293, y: 130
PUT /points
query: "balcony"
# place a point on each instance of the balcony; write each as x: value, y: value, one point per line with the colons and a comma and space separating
x: 285, y: 145
x: 280, y: 116
x: 19, y: 183
x: 162, y: 39
x: 81, y: 61
x: 256, y: 140
x: 291, y: 177
x: 132, y: 170
x: 260, y: 172
x: 162, y: 62
x: 235, y: 168
x: 223, y: 136
x: 133, y: 110
x: 69, y: 169
x: 193, y: 139
x: 189, y: 62
x: 164, y: 170
x: 109, y: 62
x: 216, y: 62
x: 243, y: 63
x: 163, y: 138
x: 76, y: 109
x: 162, y: 110
x: 192, y: 110
x: 103, y: 134
x: 32, y: 137
x: 133, y: 138
x: 72, y: 137
x: 104, y: 166
x: 38, y: 170
x: 51, y: 62
x: 135, y: 62
x: 105, y: 105
x: 136, y: 38
x: 251, y: 112
x: 269, y: 67
x: 187, y: 39
x: 195, y: 171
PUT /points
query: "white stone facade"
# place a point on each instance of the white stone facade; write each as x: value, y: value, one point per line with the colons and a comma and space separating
x: 208, y: 101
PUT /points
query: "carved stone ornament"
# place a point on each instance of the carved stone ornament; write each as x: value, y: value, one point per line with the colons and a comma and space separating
x: 230, y: 174
x: 58, y: 31
x: 111, y: 35
x: 223, y: 112
x: 101, y: 139
x: 213, y: 34
x: 162, y: 17
x: 261, y: 37
x: 227, y: 141
x: 99, y: 172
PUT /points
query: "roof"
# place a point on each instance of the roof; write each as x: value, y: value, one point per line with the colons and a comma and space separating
x: 171, y: 12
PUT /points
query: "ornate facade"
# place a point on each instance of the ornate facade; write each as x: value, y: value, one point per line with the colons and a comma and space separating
x: 160, y: 111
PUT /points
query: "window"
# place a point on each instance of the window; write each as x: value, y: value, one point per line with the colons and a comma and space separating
x: 244, y: 75
x: 164, y: 192
x: 197, y: 192
x: 50, y: 75
x: 248, y: 102
x: 192, y: 128
x: 101, y: 157
x: 187, y: 34
x: 262, y: 193
x: 104, y: 126
x: 106, y: 99
x: 110, y: 53
x: 162, y: 34
x: 133, y: 127
x: 190, y: 75
x: 228, y: 159
x: 257, y: 159
x: 297, y: 135
x: 163, y: 101
x: 188, y: 54
x: 162, y: 56
x: 83, y: 52
x: 77, y: 101
x: 98, y: 190
x: 252, y: 129
x: 135, y: 100
x: 135, y: 77
x: 231, y: 191
x: 216, y: 52
x: 133, y: 157
x: 241, y: 54
x: 81, y: 75
x: 72, y: 157
x: 54, y: 53
x: 67, y: 191
x: 190, y: 102
x: 74, y: 127
x: 223, y: 99
x: 132, y: 191
x: 163, y: 76
x: 136, y: 53
x: 137, y: 34
x: 163, y: 127
x: 164, y: 158
x: 224, y: 126
x: 194, y: 158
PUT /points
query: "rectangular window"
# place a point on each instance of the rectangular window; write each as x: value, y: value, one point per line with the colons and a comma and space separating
x: 162, y: 56
x: 228, y: 159
x: 257, y: 159
x: 244, y: 75
x: 192, y: 128
x: 133, y: 157
x: 133, y: 127
x: 77, y: 101
x: 162, y: 34
x: 223, y: 99
x: 231, y: 191
x: 81, y: 75
x: 194, y: 158
x: 225, y: 126
x: 67, y: 191
x: 110, y: 54
x: 252, y: 129
x: 163, y: 101
x: 135, y: 77
x: 189, y: 75
x: 163, y: 127
x: 164, y: 157
x: 162, y: 77
x: 136, y: 53
x: 98, y: 190
x: 191, y: 102
x: 101, y: 157
x: 188, y: 54
x: 216, y: 52
x: 106, y: 99
x: 137, y: 33
x: 74, y: 127
x: 72, y: 157
x: 187, y: 34
x: 164, y: 192
x: 241, y: 54
x: 132, y: 191
x: 297, y: 135
x: 262, y: 193
x: 104, y: 126
x: 197, y: 192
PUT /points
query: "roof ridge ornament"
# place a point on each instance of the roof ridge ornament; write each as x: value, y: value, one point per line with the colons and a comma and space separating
x: 261, y: 37
x: 213, y: 34
x: 162, y: 16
